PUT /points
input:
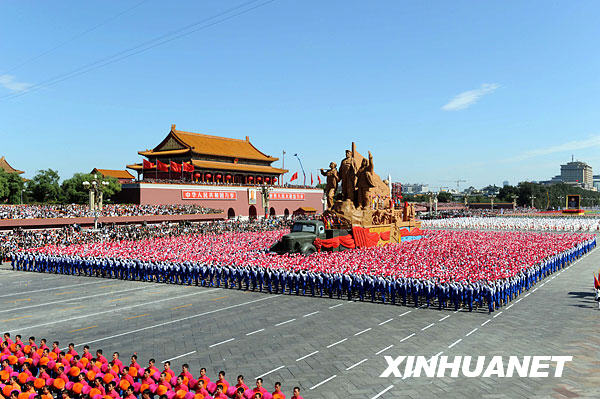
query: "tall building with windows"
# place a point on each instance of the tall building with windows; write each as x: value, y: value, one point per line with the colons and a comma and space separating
x: 597, y: 182
x: 577, y: 173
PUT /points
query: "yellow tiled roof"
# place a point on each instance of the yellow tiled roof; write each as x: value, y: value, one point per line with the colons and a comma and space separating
x: 117, y: 174
x: 7, y: 168
x: 205, y: 144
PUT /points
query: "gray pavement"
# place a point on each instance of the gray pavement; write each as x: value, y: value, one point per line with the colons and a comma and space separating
x: 330, y: 348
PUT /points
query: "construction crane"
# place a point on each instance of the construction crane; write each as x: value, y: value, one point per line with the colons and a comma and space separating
x: 458, y: 181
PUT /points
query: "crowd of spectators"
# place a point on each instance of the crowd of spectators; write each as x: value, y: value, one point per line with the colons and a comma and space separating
x: 19, y: 239
x: 75, y: 210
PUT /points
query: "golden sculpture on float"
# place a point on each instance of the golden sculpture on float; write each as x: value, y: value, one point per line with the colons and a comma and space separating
x: 365, y: 199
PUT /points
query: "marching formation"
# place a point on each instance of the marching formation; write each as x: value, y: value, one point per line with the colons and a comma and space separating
x: 567, y: 223
x: 31, y: 371
x: 452, y: 269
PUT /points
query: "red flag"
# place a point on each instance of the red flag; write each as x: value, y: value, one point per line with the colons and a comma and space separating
x: 319, y: 179
x: 175, y: 167
x: 163, y: 167
x: 148, y: 165
x: 596, y: 283
x: 311, y: 179
x: 188, y: 167
x: 294, y: 176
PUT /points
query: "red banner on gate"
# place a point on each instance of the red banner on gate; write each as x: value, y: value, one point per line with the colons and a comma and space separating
x: 208, y: 195
x: 286, y: 196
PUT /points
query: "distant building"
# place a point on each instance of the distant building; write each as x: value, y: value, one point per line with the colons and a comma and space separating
x: 122, y: 175
x: 505, y: 183
x: 490, y: 190
x: 415, y: 188
x: 596, y: 180
x: 574, y: 173
x: 4, y: 165
x: 577, y: 173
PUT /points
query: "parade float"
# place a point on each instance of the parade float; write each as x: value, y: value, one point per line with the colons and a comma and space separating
x: 362, y: 214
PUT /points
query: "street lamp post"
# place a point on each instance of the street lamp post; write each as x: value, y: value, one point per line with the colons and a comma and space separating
x: 96, y: 194
x: 264, y: 189
x: 514, y: 198
x: 532, y: 198
x: 301, y: 167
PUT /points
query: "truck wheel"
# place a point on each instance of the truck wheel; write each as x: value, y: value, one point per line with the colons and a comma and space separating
x: 310, y: 249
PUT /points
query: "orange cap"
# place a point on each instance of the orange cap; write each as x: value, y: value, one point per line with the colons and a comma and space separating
x: 22, y: 378
x: 59, y: 384
x: 77, y: 387
x: 7, y: 390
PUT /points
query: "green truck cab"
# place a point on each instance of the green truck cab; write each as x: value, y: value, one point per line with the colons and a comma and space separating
x: 302, y: 237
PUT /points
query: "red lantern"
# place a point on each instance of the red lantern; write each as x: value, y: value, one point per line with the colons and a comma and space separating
x: 267, y: 179
x: 208, y: 175
x: 228, y: 177
x: 197, y: 175
x: 250, y: 178
x: 218, y: 176
x: 274, y: 179
x: 259, y: 178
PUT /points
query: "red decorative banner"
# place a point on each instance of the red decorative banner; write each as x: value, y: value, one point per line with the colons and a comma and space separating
x: 208, y: 195
x: 286, y: 196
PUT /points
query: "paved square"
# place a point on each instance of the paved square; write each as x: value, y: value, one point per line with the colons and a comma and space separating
x: 330, y: 348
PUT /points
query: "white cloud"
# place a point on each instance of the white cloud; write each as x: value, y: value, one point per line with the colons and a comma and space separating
x: 593, y: 141
x: 470, y: 97
x: 9, y: 82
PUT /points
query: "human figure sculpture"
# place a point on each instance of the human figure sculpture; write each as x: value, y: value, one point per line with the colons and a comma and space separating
x: 332, y: 182
x: 347, y: 175
x: 365, y: 181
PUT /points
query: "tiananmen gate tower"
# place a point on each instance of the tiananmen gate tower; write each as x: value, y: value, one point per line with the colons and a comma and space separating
x: 216, y: 172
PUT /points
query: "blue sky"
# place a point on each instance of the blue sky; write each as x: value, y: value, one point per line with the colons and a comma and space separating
x: 485, y: 91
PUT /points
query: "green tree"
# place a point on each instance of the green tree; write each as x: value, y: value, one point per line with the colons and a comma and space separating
x: 4, y: 192
x: 506, y: 193
x: 73, y: 191
x: 444, y: 196
x: 44, y: 187
x: 11, y: 187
